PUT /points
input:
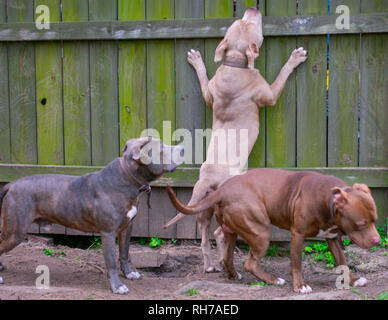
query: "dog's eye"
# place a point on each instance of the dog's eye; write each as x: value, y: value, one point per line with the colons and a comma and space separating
x: 362, y: 224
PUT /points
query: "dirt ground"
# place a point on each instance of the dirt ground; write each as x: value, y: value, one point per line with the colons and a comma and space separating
x: 80, y: 274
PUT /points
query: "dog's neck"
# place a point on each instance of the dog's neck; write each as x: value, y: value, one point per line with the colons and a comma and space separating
x: 235, y: 64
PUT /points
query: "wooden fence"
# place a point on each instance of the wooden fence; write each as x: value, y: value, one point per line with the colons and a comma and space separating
x: 72, y: 95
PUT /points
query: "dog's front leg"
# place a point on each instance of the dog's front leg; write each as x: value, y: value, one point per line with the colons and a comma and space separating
x: 271, y: 96
x: 195, y: 59
x: 297, y: 241
x: 339, y: 257
x: 124, y: 239
x: 108, y: 245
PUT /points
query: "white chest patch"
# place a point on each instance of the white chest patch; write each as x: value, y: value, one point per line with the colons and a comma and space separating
x: 327, y: 234
x: 132, y: 213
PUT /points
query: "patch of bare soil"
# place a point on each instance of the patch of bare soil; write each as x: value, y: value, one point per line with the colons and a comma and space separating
x: 80, y: 274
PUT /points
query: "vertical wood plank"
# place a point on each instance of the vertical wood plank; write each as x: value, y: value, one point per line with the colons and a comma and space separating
x: 161, y: 106
x: 344, y: 65
x: 374, y: 94
x: 5, y: 134
x: 21, y: 63
x: 281, y: 119
x: 160, y: 72
x: 190, y: 106
x: 104, y: 88
x: 132, y: 95
x: 373, y: 102
x: 311, y: 93
x: 49, y: 94
x: 76, y: 90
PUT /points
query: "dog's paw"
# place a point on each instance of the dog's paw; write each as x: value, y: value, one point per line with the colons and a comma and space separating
x: 304, y: 289
x: 121, y: 289
x: 298, y: 56
x: 360, y: 282
x: 194, y: 58
x: 133, y: 275
x: 280, y: 282
x: 1, y: 280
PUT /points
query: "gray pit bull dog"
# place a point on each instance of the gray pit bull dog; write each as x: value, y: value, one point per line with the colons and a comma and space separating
x: 103, y: 202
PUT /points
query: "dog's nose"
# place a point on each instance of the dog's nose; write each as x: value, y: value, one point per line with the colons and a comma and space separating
x: 375, y: 240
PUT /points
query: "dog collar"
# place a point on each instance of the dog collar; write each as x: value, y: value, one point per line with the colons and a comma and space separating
x: 235, y: 64
x: 142, y: 187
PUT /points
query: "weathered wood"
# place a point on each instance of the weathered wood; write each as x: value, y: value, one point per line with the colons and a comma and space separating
x: 76, y: 90
x: 132, y: 76
x: 21, y: 72
x: 5, y: 132
x: 160, y: 74
x: 132, y: 95
x: 104, y: 88
x: 186, y: 177
x: 160, y: 213
x: 343, y: 101
x: 49, y: 105
x: 186, y: 29
x: 190, y: 106
x: 281, y: 119
x: 311, y: 94
x: 3, y: 12
x: 160, y: 107
x: 380, y: 195
x: 374, y: 94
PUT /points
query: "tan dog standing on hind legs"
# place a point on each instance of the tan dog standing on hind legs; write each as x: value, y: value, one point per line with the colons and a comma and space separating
x: 309, y: 204
x: 235, y: 93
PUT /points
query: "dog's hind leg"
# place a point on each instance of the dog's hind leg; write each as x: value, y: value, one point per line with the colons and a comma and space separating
x: 204, y: 220
x: 230, y: 242
x: 220, y: 240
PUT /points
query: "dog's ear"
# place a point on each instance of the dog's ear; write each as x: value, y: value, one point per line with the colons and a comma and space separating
x: 361, y: 187
x: 220, y: 50
x: 252, y: 52
x: 340, y: 197
x: 136, y: 153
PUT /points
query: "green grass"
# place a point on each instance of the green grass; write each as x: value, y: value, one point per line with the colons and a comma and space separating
x: 96, y: 243
x: 383, y: 296
x: 54, y: 253
x: 192, y: 291
x: 383, y: 235
x: 320, y: 252
x: 261, y: 283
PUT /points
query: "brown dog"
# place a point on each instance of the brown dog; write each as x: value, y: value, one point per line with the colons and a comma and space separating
x: 308, y: 204
x: 235, y: 93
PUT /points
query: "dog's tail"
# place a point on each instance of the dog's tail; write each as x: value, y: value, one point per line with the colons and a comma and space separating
x: 210, y: 201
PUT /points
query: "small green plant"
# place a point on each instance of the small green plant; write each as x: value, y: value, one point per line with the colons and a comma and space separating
x: 96, y: 243
x: 346, y: 242
x: 261, y: 283
x: 48, y: 252
x: 192, y: 291
x: 143, y: 241
x: 383, y: 296
x: 272, y: 251
x: 174, y: 241
x: 156, y: 242
x: 319, y: 251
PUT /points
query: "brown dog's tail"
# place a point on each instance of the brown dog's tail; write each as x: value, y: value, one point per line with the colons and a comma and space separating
x: 210, y: 201
x: 3, y: 192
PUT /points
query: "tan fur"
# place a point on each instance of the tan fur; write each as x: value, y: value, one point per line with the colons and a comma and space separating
x: 235, y: 96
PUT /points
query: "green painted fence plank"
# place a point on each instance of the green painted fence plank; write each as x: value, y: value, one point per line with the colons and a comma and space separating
x: 5, y: 133
x: 21, y: 64
x: 190, y: 106
x: 374, y: 94
x: 380, y: 195
x: 161, y: 106
x: 3, y: 13
x: 49, y: 106
x: 311, y: 93
x: 160, y: 73
x: 344, y: 65
x: 104, y: 88
x: 370, y: 6
x: 132, y: 76
x: 132, y: 94
x: 76, y: 90
x: 281, y: 119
